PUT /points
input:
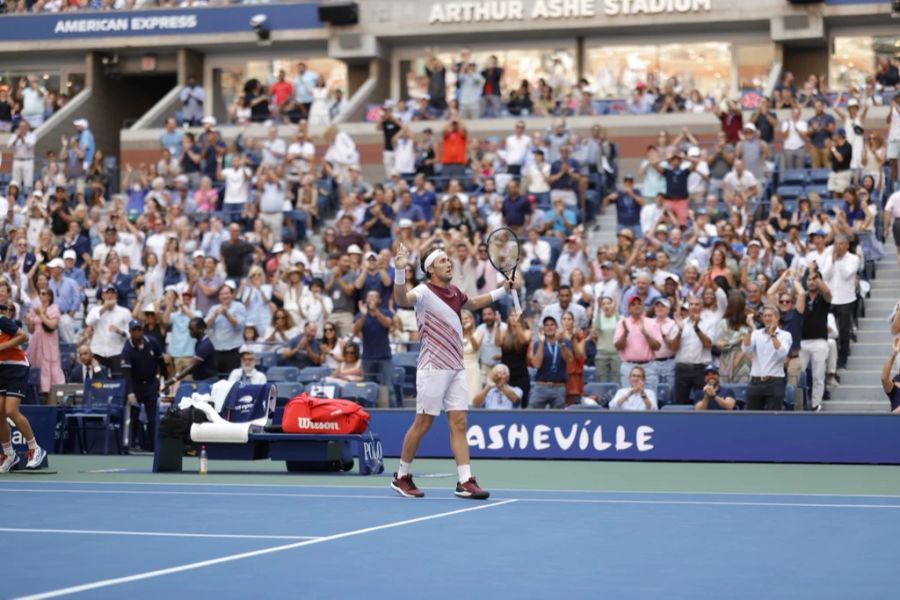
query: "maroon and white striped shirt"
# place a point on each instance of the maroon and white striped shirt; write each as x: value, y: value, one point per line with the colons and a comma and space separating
x: 440, y: 329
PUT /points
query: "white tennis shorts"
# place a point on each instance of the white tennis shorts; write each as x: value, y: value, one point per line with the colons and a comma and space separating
x: 441, y: 389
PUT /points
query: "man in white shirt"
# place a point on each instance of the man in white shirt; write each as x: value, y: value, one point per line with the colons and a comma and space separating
x: 247, y: 372
x: 839, y: 273
x: 740, y: 181
x: 769, y: 347
x: 107, y: 323
x: 274, y: 149
x: 891, y: 211
x: 564, y: 305
x: 237, y: 182
x: 636, y: 396
x: 651, y: 213
x: 794, y: 130
x: 573, y: 257
x: 692, y: 345
x: 516, y: 150
x: 536, y: 248
x: 609, y: 286
x: 301, y: 156
x: 497, y: 393
x: 699, y: 177
x: 22, y: 142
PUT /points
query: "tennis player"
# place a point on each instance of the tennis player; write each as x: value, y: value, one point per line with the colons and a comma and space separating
x: 440, y: 376
x: 13, y: 380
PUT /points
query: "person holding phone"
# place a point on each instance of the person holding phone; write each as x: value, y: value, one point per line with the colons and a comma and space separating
x: 769, y: 346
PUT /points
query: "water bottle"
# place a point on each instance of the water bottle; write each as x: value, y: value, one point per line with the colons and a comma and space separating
x: 204, y: 462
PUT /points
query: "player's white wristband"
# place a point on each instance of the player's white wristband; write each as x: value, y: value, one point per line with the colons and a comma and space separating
x: 400, y: 276
x: 497, y: 294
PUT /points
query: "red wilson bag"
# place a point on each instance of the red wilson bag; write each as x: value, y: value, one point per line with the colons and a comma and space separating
x: 303, y: 414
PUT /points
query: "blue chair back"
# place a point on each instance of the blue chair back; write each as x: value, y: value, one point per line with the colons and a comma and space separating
x: 599, y: 389
x: 285, y: 390
x: 311, y: 374
x: 365, y: 393
x: 277, y: 374
x: 664, y: 396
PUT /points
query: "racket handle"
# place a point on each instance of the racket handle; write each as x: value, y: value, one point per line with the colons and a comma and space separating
x: 515, y: 297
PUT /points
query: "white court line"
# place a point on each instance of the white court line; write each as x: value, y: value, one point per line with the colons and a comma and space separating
x: 14, y: 484
x: 384, y: 496
x: 236, y: 536
x: 233, y: 557
x: 393, y: 497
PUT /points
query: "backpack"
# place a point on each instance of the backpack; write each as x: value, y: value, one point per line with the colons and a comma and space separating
x: 303, y: 414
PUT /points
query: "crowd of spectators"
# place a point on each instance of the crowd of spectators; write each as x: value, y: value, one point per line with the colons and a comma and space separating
x: 27, y: 99
x: 480, y: 90
x: 228, y: 252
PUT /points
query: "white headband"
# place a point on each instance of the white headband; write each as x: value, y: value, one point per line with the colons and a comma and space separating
x: 433, y: 257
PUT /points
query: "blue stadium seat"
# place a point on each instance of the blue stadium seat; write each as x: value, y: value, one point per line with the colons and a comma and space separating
x: 599, y: 389
x: 678, y: 407
x: 793, y: 177
x: 288, y: 389
x: 664, y: 396
x: 790, y: 192
x: 104, y: 401
x: 311, y: 374
x: 820, y: 189
x: 740, y: 392
x: 555, y: 248
x: 266, y: 360
x: 365, y: 393
x: 399, y: 382
x: 413, y: 346
x: 276, y: 374
x: 407, y: 361
x: 590, y: 374
x: 819, y: 176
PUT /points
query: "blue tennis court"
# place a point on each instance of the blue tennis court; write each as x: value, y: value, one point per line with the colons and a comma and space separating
x: 146, y: 539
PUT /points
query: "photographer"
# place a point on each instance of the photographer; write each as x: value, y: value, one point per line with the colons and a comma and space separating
x: 497, y: 393
x: 713, y: 396
x: 635, y: 397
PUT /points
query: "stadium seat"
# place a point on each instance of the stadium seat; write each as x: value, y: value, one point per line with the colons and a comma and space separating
x: 677, y: 407
x: 555, y: 248
x: 104, y: 401
x: 407, y: 361
x: 285, y: 390
x: 413, y: 346
x: 365, y: 393
x: 311, y: 374
x: 266, y: 360
x: 793, y: 177
x: 399, y: 382
x: 740, y: 392
x: 819, y: 176
x: 664, y: 396
x: 820, y: 189
x: 790, y: 192
x: 590, y: 374
x: 276, y: 374
x: 599, y: 389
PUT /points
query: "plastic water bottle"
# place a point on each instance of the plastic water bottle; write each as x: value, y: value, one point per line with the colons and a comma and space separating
x: 204, y: 462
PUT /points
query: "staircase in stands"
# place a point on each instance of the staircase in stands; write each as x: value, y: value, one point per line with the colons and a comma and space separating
x: 860, y: 389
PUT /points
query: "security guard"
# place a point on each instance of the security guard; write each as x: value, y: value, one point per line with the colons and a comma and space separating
x: 142, y: 362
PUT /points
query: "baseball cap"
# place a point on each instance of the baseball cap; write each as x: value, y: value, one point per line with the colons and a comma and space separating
x: 354, y: 249
x: 711, y: 369
x: 230, y: 284
x: 245, y: 349
x: 673, y: 277
x: 754, y: 243
x: 83, y: 123
x: 278, y: 247
x: 210, y: 120
x: 405, y: 223
x: 149, y: 309
x: 841, y: 132
x: 108, y: 287
x: 749, y: 126
x: 633, y: 298
x: 852, y: 102
x: 664, y: 301
x: 607, y: 264
x: 69, y: 254
x: 135, y: 324
x: 549, y: 318
x: 198, y: 254
x: 661, y: 229
x: 369, y: 255
x: 650, y: 255
x: 694, y: 151
x: 628, y: 177
x: 818, y: 232
x: 111, y: 228
x: 56, y: 263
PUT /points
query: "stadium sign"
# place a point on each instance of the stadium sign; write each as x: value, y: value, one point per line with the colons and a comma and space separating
x: 516, y: 10
x: 226, y: 19
x: 657, y: 435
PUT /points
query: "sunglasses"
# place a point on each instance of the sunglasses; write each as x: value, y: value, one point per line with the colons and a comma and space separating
x: 784, y: 302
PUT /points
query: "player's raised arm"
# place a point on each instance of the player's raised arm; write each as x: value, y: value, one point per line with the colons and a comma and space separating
x: 479, y: 302
x: 401, y: 296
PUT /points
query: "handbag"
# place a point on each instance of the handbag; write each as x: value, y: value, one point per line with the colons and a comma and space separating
x: 858, y: 129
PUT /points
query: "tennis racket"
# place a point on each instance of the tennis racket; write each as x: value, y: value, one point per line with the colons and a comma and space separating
x: 503, y: 252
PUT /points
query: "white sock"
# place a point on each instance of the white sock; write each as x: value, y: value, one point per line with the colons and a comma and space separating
x: 32, y: 444
x: 404, y: 469
x: 465, y: 472
x: 7, y: 449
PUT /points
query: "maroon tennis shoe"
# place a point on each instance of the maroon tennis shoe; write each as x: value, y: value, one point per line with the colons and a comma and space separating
x: 405, y: 487
x: 470, y: 489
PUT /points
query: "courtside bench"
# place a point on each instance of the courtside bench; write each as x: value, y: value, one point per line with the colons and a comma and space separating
x: 301, y: 452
